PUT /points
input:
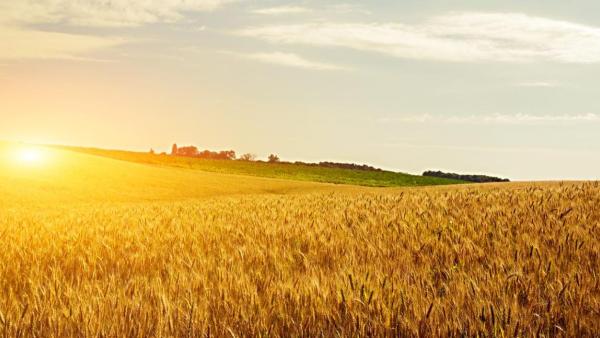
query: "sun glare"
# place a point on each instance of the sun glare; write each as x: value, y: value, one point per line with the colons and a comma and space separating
x: 30, y: 155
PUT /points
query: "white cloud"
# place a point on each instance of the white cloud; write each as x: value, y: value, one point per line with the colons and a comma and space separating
x: 539, y: 84
x: 290, y: 60
x: 456, y: 37
x: 101, y: 13
x: 468, y: 147
x: 349, y: 9
x: 281, y: 10
x: 16, y: 43
x: 494, y: 119
x: 19, y: 39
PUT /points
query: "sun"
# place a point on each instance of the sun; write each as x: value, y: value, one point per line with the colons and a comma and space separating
x: 29, y: 155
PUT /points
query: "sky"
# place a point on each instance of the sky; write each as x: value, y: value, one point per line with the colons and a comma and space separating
x: 507, y: 88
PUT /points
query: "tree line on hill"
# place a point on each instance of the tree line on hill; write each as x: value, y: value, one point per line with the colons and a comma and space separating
x: 338, y: 165
x: 194, y: 152
x: 230, y: 155
x: 468, y: 178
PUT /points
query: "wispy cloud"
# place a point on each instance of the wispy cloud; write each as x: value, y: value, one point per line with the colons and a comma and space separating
x: 322, y: 9
x: 21, y: 39
x: 494, y: 119
x: 539, y: 84
x: 280, y: 10
x: 349, y: 9
x: 289, y: 60
x: 102, y: 13
x: 16, y: 43
x: 455, y: 37
x: 483, y: 148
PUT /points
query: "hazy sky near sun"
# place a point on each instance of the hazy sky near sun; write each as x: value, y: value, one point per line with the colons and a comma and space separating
x: 508, y: 87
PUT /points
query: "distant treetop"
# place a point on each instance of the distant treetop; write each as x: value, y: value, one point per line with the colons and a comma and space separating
x: 192, y: 151
x: 273, y: 158
x: 468, y: 178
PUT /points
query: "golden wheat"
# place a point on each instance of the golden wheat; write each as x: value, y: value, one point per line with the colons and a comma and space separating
x: 497, y: 260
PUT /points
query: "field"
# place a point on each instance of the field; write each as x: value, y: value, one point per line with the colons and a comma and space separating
x: 288, y: 171
x: 92, y: 246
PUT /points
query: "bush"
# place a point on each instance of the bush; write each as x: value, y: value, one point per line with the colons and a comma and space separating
x: 468, y: 178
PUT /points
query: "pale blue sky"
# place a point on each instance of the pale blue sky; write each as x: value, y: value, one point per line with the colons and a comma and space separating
x: 506, y: 88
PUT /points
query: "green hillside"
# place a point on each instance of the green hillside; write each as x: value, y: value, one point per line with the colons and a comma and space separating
x: 275, y: 170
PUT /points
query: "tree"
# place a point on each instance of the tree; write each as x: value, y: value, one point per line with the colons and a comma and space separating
x: 174, y: 149
x: 226, y: 155
x: 248, y: 157
x: 468, y: 178
x: 273, y: 158
x: 152, y: 151
x: 189, y: 151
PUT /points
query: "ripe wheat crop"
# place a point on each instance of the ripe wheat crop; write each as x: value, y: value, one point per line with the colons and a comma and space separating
x: 501, y: 260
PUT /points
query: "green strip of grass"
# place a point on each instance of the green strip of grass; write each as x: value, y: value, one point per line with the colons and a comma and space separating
x: 275, y: 170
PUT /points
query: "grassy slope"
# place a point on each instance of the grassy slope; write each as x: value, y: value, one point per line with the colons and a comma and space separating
x: 278, y: 170
x: 66, y: 176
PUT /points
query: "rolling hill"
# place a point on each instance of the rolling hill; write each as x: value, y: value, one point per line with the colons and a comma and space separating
x: 66, y: 176
x: 290, y: 171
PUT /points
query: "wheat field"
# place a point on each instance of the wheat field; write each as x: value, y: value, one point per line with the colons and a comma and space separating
x: 95, y: 247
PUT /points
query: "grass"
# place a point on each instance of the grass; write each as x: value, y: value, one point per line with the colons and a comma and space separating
x: 276, y: 170
x: 67, y: 176
x: 97, y: 247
